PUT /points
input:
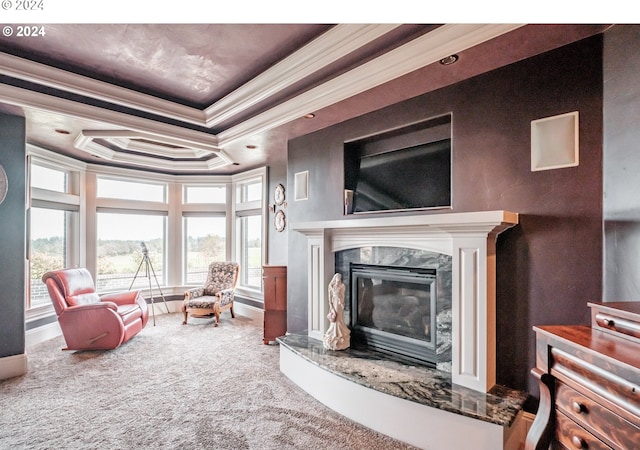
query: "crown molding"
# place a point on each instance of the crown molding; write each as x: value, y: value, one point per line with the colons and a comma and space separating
x: 124, y: 139
x: 127, y: 125
x: 25, y: 98
x: 336, y: 43
x: 87, y: 144
x: 42, y: 74
x: 422, y: 51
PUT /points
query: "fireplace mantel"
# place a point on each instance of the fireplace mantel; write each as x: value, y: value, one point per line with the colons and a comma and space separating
x: 469, y: 238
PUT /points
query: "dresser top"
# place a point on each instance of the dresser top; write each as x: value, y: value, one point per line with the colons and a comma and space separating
x: 594, y: 342
x: 630, y: 310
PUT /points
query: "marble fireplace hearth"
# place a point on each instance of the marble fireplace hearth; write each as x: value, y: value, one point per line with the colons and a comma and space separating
x: 412, y: 403
x: 424, y: 407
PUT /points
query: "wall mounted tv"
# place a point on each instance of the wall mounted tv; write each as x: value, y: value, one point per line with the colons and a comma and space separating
x: 401, y: 169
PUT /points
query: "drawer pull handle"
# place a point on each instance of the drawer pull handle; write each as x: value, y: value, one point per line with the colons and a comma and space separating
x: 578, y: 442
x: 579, y: 408
x: 610, y: 322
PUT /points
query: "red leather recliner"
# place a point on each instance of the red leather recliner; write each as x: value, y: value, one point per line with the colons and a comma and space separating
x: 90, y: 321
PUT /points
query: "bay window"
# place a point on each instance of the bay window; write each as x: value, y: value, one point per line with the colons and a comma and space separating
x: 53, y: 233
x: 113, y: 221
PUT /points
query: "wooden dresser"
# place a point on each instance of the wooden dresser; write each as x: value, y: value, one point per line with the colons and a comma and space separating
x: 589, y: 382
x: 274, y: 285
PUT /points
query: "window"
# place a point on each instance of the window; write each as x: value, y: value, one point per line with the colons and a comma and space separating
x: 49, y: 179
x: 51, y: 231
x: 131, y: 190
x: 53, y: 227
x: 205, y: 242
x: 249, y: 228
x: 183, y: 222
x: 251, y: 191
x: 250, y: 250
x: 205, y: 194
x: 122, y: 261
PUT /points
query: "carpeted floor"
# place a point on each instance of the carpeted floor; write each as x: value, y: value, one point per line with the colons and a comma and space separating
x: 171, y: 387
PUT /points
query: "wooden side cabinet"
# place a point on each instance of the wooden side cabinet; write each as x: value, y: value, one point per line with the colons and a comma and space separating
x: 589, y: 381
x: 274, y: 285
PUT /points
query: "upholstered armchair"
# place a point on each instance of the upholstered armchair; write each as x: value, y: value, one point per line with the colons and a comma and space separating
x: 216, y: 295
x: 90, y: 321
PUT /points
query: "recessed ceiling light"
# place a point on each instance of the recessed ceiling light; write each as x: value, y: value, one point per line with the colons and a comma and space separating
x: 449, y: 60
x: 251, y: 147
x: 309, y: 116
x: 61, y: 131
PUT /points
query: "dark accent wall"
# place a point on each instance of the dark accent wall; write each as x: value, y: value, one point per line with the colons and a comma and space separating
x: 550, y: 265
x: 12, y: 237
x: 277, y: 240
x: 621, y: 96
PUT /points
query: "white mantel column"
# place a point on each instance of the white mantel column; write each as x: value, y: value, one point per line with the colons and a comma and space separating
x: 320, y: 270
x: 473, y: 312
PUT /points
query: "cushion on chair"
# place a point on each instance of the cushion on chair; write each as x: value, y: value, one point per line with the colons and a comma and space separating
x: 129, y: 313
x: 78, y: 288
x: 204, y: 302
x: 221, y: 276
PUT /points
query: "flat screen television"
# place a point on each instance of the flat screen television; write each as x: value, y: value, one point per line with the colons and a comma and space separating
x: 405, y: 169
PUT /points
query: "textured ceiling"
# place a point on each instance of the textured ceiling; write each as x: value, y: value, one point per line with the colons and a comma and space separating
x: 218, y: 98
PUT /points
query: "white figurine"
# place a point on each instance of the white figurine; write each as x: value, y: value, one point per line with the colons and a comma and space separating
x: 338, y: 336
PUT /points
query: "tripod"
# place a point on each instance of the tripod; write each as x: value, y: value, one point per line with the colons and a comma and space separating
x: 148, y: 272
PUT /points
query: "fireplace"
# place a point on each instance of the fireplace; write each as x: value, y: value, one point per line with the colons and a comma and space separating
x: 467, y: 239
x: 393, y: 310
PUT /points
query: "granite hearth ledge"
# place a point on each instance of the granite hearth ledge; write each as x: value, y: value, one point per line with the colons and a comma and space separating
x: 415, y: 383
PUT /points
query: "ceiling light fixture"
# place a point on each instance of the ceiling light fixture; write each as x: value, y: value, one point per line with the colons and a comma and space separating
x: 449, y: 60
x: 309, y: 116
x: 251, y: 147
x: 61, y: 131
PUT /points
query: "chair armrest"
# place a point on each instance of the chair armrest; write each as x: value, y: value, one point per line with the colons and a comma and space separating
x: 121, y: 298
x: 92, y: 307
x: 194, y: 293
x: 226, y: 296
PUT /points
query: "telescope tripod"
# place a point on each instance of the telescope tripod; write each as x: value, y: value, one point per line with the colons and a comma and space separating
x: 148, y: 272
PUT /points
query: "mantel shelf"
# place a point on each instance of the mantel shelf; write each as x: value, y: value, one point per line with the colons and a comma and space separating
x: 447, y: 223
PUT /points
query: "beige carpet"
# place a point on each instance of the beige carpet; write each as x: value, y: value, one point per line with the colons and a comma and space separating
x: 171, y: 387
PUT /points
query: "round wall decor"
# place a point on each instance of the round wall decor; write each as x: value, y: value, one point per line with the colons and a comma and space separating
x: 4, y: 184
x: 280, y: 220
x: 278, y: 195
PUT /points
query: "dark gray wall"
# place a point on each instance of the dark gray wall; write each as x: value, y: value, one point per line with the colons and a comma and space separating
x: 12, y: 237
x: 549, y: 266
x: 622, y: 163
x: 277, y: 241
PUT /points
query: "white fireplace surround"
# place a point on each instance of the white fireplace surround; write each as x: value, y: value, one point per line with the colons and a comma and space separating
x: 469, y: 238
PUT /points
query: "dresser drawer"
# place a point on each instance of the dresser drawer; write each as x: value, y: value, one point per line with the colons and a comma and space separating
x: 620, y: 391
x: 595, y: 418
x: 573, y: 436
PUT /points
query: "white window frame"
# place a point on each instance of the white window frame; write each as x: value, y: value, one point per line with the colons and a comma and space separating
x: 72, y: 200
x: 204, y: 210
x: 241, y: 209
x: 138, y: 207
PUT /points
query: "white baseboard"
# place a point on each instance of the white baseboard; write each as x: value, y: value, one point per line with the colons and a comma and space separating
x: 43, y: 333
x: 248, y: 311
x: 13, y: 366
